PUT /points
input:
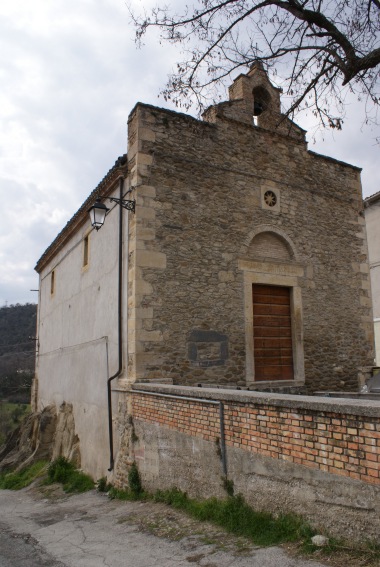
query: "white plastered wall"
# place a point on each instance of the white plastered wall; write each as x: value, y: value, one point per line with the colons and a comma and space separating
x: 377, y: 341
x: 372, y: 217
x: 78, y: 340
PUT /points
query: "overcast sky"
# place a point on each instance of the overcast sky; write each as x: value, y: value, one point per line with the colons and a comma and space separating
x: 70, y: 75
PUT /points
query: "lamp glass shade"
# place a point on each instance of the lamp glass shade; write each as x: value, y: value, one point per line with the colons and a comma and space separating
x: 97, y: 214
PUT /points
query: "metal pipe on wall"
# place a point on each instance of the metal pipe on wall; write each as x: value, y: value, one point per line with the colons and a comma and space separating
x: 223, y: 449
x: 119, y: 327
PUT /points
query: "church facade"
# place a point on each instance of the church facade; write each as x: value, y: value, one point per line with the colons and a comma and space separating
x: 244, y: 266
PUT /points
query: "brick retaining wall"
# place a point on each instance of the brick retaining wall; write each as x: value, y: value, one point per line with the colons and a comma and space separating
x: 341, y: 437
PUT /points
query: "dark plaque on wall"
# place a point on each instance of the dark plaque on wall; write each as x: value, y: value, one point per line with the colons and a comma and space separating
x: 207, y: 348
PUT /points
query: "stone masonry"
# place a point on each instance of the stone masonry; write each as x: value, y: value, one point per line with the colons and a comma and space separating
x: 203, y: 232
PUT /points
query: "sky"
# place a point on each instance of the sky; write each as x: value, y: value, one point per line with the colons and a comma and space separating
x: 70, y: 74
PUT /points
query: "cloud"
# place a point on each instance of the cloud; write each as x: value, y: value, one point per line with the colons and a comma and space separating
x: 70, y: 75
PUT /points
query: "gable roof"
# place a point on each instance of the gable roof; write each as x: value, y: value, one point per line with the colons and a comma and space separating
x: 372, y: 199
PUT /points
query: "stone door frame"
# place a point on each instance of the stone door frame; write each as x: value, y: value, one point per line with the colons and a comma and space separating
x: 277, y: 274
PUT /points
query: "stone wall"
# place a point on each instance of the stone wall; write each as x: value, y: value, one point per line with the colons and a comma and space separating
x: 200, y: 202
x: 314, y: 456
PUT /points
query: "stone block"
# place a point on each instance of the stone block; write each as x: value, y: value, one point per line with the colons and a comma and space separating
x: 149, y: 336
x: 144, y: 233
x: 141, y: 313
x: 365, y: 301
x: 144, y: 159
x: 364, y: 268
x: 226, y: 276
x: 150, y: 259
x: 146, y: 213
x: 147, y: 134
x: 147, y: 191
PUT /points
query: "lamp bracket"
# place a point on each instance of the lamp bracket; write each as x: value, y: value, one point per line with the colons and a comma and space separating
x: 125, y: 203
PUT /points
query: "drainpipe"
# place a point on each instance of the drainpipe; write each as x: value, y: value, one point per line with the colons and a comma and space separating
x: 119, y: 326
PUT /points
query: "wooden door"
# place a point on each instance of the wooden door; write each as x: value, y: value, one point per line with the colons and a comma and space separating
x: 272, y: 333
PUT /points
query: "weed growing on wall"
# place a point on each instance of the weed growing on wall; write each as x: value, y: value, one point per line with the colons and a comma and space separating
x: 134, y: 437
x: 134, y: 491
x: 228, y: 485
x: 218, y: 448
x: 103, y: 485
x: 134, y: 480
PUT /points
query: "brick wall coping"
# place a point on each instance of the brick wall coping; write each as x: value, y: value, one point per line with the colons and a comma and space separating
x: 369, y: 408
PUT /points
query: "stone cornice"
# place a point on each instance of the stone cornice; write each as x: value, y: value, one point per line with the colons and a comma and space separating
x: 333, y: 160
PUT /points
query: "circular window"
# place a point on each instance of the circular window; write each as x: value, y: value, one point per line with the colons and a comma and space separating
x: 270, y: 198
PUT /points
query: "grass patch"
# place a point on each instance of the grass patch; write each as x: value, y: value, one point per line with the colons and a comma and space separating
x: 60, y: 470
x: 103, y: 485
x: 117, y: 494
x: 23, y: 478
x: 233, y: 514
x: 366, y: 554
x: 135, y: 489
x: 263, y: 529
x: 237, y: 517
x: 72, y: 480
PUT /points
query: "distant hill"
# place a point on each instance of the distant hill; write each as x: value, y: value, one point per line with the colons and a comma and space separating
x: 17, y: 351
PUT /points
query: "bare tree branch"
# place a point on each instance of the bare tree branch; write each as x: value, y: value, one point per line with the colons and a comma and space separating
x: 324, y: 46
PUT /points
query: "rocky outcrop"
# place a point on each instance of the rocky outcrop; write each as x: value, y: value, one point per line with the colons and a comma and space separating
x: 43, y: 435
x: 31, y: 441
x: 66, y: 441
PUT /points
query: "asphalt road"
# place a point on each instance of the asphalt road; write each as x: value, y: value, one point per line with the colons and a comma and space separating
x: 23, y: 551
x: 89, y: 530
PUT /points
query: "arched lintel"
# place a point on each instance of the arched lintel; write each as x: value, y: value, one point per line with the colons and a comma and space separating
x: 261, y: 97
x: 274, y: 230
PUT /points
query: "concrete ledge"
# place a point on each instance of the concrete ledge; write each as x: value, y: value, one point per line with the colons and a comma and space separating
x: 369, y: 408
x: 168, y: 458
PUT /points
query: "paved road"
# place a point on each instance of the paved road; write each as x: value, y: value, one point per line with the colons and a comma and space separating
x: 23, y: 551
x: 91, y: 531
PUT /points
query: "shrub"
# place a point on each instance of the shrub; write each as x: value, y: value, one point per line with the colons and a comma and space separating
x: 60, y: 470
x: 102, y: 485
x: 63, y: 471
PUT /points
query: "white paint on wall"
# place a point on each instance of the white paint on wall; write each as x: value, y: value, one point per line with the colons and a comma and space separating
x: 377, y: 342
x: 78, y: 335
x: 372, y: 218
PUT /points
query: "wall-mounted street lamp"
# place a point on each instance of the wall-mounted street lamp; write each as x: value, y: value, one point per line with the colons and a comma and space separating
x: 98, y: 213
x: 98, y: 210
